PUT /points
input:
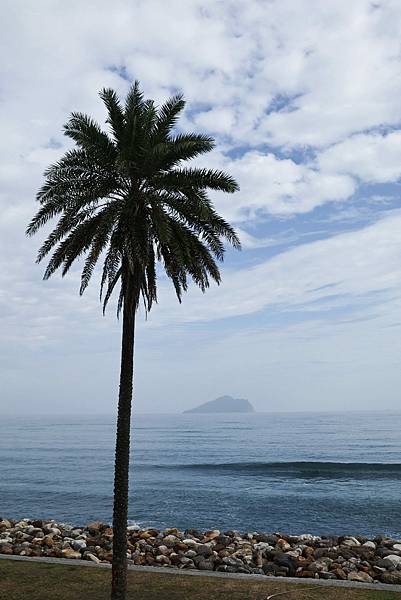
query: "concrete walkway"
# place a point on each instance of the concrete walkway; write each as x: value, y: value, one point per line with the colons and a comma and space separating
x: 194, y: 573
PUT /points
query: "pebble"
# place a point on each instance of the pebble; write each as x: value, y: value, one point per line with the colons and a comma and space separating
x: 344, y: 558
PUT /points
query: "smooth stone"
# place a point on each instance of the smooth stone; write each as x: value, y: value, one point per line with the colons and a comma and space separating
x: 370, y: 545
x: 70, y: 553
x: 360, y: 576
x: 92, y: 557
x: 5, y: 523
x: 393, y: 560
x: 78, y: 544
x: 190, y: 542
x: 350, y: 541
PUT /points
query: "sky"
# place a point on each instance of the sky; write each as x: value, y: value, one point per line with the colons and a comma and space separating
x: 303, y: 99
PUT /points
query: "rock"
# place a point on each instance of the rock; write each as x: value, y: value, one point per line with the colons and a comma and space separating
x: 263, y: 547
x: 175, y: 559
x: 268, y: 539
x: 74, y: 533
x: 231, y: 561
x: 393, y: 560
x: 293, y: 553
x: 171, y: 531
x: 170, y: 540
x: 70, y: 553
x: 370, y: 545
x: 350, y: 541
x: 204, y: 550
x: 287, y: 563
x: 328, y: 557
x: 92, y: 557
x: 95, y: 527
x: 393, y: 578
x: 205, y: 565
x: 283, y: 545
x: 78, y: 544
x: 259, y: 559
x: 190, y: 542
x: 5, y: 523
x: 48, y: 540
x: 340, y: 573
x: 317, y: 566
x: 273, y: 569
x: 327, y: 575
x: 360, y: 576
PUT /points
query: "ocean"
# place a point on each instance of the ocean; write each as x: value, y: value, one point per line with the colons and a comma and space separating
x: 321, y: 473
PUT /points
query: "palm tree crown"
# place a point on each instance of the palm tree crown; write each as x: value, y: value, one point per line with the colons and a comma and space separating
x: 124, y: 196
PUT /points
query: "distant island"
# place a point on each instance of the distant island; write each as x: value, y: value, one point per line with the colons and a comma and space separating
x: 224, y: 404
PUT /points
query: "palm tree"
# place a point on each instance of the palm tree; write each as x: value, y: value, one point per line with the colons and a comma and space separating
x: 123, y: 197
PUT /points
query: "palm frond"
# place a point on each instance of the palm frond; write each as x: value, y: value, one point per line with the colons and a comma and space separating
x: 126, y: 199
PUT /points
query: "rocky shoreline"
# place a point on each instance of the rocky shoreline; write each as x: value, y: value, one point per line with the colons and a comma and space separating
x: 320, y: 557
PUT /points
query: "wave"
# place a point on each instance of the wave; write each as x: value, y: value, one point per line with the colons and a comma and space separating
x: 301, y: 470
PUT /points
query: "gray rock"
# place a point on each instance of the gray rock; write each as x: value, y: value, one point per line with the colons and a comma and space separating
x: 393, y: 560
x: 370, y: 545
x: 205, y: 565
x: 350, y: 541
x: 204, y: 550
x: 78, y: 544
x: 327, y: 575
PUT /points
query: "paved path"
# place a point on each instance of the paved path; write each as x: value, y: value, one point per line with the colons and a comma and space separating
x: 193, y: 573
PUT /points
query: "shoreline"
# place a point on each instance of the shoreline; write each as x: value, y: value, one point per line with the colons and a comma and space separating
x: 342, y: 558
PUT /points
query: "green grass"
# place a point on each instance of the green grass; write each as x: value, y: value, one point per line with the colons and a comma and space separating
x: 38, y: 581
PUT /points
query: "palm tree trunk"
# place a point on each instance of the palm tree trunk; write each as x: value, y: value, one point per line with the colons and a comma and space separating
x: 121, y: 467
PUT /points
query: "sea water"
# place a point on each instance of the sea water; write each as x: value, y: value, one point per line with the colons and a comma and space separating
x: 319, y: 473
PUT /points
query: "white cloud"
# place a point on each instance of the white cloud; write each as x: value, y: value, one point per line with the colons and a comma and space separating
x: 276, y: 186
x: 257, y: 75
x: 373, y: 158
x: 341, y: 271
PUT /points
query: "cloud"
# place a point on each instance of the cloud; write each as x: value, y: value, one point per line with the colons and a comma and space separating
x: 373, y: 158
x: 303, y: 98
x: 352, y: 270
x: 280, y: 186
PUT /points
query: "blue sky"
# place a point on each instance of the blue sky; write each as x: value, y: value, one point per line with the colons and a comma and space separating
x: 304, y: 102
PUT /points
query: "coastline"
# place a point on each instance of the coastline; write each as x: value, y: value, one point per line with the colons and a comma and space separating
x: 343, y: 558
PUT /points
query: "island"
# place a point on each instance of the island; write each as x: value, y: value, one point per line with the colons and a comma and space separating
x: 224, y: 404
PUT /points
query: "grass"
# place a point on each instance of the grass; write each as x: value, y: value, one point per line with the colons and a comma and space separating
x: 38, y: 581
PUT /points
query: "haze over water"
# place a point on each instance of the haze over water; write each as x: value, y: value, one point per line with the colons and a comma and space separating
x: 305, y: 472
